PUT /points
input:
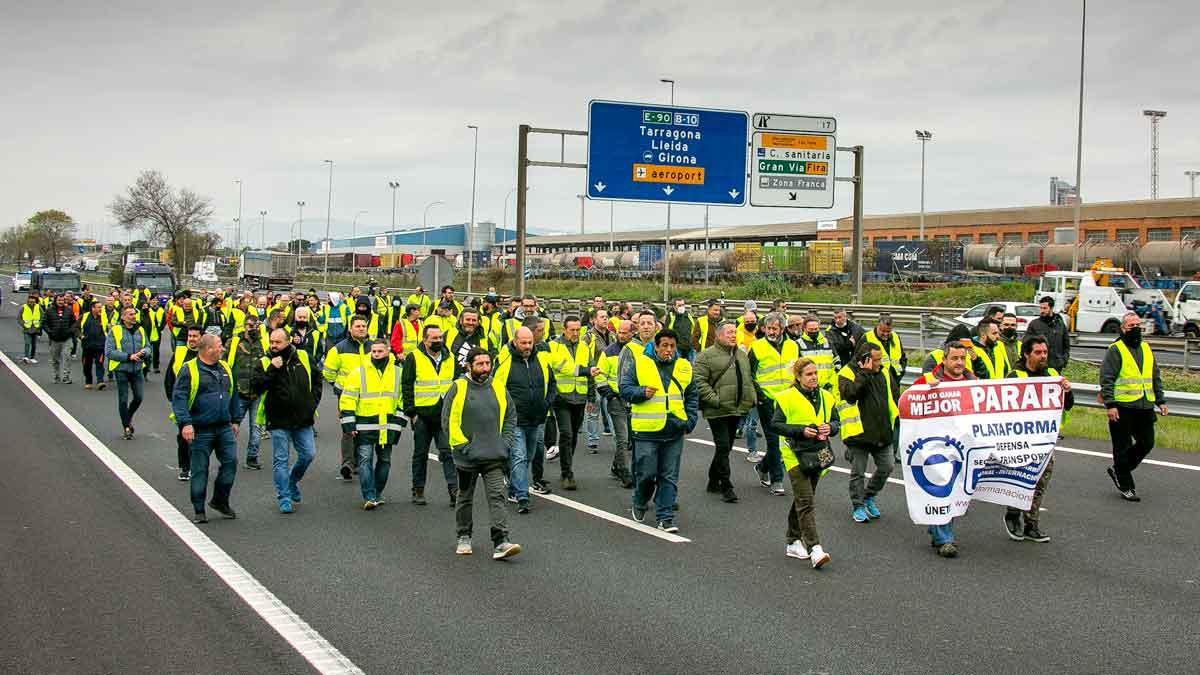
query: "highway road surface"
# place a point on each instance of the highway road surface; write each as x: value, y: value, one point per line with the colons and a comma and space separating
x: 102, y: 571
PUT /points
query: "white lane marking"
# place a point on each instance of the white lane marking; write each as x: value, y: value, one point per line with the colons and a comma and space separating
x: 1108, y: 456
x: 623, y: 521
x: 314, y: 648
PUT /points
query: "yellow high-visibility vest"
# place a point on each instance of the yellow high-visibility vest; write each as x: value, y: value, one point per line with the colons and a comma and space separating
x: 651, y: 415
x: 31, y: 317
x: 1133, y: 384
x: 891, y: 357
x: 568, y: 365
x: 799, y: 410
x: 848, y: 413
x: 338, y: 365
x: 774, y: 373
x: 458, y: 397
x: 431, y: 383
x: 996, y: 363
x: 117, y: 335
x: 822, y: 355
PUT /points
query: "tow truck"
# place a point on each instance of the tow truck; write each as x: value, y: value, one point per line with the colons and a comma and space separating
x: 1095, y: 301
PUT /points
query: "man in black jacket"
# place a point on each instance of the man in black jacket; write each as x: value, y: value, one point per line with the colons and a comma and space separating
x: 432, y: 365
x: 291, y: 385
x: 1051, y: 326
x: 93, y: 328
x: 529, y: 380
x: 58, y: 323
x: 178, y: 359
x: 865, y: 389
x: 844, y: 335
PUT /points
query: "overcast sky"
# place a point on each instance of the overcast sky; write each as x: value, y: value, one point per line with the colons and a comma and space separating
x: 264, y: 91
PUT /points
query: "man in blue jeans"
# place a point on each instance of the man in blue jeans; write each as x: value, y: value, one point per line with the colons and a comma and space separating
x: 126, y: 349
x: 665, y: 407
x: 370, y: 413
x: 207, y: 410
x: 529, y: 379
x: 290, y: 384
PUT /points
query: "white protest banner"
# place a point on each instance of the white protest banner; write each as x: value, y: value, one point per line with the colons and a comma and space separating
x: 988, y: 440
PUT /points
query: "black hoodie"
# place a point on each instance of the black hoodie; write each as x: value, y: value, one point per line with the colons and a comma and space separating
x: 292, y: 393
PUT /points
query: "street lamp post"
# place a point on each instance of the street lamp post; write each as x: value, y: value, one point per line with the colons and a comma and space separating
x: 394, y: 185
x: 612, y: 237
x: 353, y: 234
x: 1192, y: 178
x: 581, y: 203
x: 924, y: 137
x: 1155, y: 117
x: 328, y: 217
x: 471, y: 225
x: 238, y: 236
x: 1079, y: 141
x: 301, y: 237
x: 707, y: 250
x: 667, y: 248
x: 425, y: 225
x: 262, y: 226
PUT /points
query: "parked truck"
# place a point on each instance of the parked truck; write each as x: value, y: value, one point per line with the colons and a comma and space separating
x: 205, y: 271
x: 267, y: 269
x: 1096, y: 300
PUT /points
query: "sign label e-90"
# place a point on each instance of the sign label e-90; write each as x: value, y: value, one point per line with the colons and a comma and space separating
x: 667, y: 117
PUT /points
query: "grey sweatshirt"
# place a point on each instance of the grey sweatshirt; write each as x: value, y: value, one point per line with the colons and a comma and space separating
x: 487, y: 440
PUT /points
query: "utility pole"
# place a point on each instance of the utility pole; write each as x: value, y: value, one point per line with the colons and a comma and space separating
x: 667, y: 248
x: 328, y: 214
x: 1192, y: 178
x: 612, y: 239
x: 924, y: 137
x: 1155, y: 116
x: 707, y: 250
x: 300, y: 237
x: 393, y: 184
x: 581, y: 199
x: 262, y: 226
x: 471, y: 225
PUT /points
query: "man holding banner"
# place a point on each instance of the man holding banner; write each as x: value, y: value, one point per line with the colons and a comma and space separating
x: 1034, y: 362
x: 964, y: 439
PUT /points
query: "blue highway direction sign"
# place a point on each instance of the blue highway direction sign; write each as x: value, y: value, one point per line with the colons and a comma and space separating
x: 659, y: 153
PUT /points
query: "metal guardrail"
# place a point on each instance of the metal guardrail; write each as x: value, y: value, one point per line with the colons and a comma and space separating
x: 1180, y: 403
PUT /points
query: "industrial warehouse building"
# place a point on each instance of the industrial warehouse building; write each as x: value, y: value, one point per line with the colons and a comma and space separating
x: 1127, y: 222
x: 449, y: 240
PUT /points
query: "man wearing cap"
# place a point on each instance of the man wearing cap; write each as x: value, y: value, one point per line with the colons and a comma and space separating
x: 491, y: 320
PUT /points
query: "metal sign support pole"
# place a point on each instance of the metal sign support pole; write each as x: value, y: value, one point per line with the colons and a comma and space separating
x: 523, y: 164
x: 856, y: 241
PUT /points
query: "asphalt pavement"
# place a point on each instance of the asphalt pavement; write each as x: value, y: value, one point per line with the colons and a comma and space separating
x: 1114, y: 592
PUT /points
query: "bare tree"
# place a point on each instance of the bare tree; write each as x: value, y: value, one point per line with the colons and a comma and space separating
x: 51, y: 233
x: 163, y: 215
x: 15, y: 243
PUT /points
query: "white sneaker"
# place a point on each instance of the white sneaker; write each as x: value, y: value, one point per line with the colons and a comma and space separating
x: 819, y: 557
x: 796, y: 550
x: 755, y: 457
x: 552, y: 453
x: 464, y: 546
x: 33, y: 361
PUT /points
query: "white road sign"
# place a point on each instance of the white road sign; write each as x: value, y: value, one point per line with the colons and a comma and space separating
x: 793, y: 161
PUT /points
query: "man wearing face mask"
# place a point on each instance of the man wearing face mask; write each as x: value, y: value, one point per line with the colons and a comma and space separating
x: 1131, y: 388
x: 370, y: 412
x: 814, y: 346
x: 290, y: 384
x: 428, y: 373
x: 771, y: 359
x: 305, y: 336
x: 1009, y: 340
x: 376, y: 325
x: 682, y: 322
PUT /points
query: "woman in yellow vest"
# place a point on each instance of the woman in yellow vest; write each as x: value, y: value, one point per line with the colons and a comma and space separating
x: 31, y: 327
x: 806, y: 418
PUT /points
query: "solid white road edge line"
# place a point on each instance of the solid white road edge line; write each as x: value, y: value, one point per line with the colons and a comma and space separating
x: 623, y: 521
x: 1108, y: 456
x: 323, y: 656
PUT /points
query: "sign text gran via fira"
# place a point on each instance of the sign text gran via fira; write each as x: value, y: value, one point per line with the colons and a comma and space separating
x: 654, y: 153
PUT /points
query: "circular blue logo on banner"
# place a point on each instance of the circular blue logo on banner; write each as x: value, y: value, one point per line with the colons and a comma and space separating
x: 936, y: 463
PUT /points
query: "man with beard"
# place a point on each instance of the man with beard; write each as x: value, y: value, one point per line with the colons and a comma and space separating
x: 844, y: 335
x: 342, y: 360
x: 246, y: 351
x: 290, y: 384
x: 467, y: 335
x: 428, y: 373
x: 479, y: 420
